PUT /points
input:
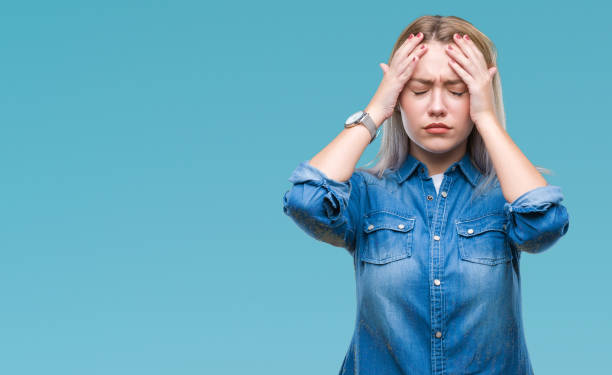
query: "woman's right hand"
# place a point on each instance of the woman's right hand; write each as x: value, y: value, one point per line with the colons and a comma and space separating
x: 403, y: 64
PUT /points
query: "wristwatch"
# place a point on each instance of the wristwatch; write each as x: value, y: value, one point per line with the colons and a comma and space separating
x: 362, y: 118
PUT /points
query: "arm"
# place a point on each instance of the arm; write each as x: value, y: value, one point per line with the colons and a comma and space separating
x: 326, y: 194
x: 339, y: 158
x: 325, y: 209
x: 515, y: 172
x: 536, y: 219
x: 325, y: 197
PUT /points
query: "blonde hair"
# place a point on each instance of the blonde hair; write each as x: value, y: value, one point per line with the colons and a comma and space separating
x: 395, y: 144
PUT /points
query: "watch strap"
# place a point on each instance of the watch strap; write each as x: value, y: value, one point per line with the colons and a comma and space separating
x: 370, y: 125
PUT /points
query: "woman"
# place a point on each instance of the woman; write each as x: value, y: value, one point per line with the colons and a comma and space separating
x: 437, y: 228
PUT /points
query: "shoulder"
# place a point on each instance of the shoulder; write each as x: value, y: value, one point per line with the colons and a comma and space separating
x: 374, y: 182
x: 486, y: 202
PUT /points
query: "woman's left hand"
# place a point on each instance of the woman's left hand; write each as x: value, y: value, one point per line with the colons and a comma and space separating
x: 471, y: 67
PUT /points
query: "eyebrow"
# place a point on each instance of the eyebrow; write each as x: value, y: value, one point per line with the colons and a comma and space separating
x: 429, y: 81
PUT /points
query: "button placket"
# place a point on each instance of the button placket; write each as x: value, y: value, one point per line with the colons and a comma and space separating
x: 438, y: 250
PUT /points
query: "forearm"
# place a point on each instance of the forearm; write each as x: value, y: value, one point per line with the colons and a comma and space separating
x: 339, y: 158
x: 515, y: 172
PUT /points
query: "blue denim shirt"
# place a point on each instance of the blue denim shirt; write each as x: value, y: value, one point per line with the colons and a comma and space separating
x: 438, y: 276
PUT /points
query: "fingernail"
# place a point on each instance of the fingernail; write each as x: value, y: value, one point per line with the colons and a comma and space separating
x: 422, y: 46
x: 466, y: 37
x: 420, y: 34
x: 410, y: 36
x: 457, y: 36
x: 450, y: 47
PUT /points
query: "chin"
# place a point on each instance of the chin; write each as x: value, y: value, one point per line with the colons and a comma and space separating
x: 440, y: 147
x: 439, y: 151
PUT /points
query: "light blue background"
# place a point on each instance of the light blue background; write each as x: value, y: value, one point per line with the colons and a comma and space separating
x: 146, y: 146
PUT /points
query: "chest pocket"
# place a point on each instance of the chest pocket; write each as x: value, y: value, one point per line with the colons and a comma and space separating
x: 387, y: 237
x: 483, y: 240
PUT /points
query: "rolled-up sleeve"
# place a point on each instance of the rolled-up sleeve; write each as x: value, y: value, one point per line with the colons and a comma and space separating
x: 537, y: 219
x: 325, y: 209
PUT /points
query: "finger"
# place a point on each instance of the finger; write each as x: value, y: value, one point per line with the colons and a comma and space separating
x: 470, y: 49
x: 384, y: 67
x: 413, y: 58
x: 404, y: 45
x: 462, y: 43
x: 409, y: 44
x: 407, y: 72
x: 412, y: 64
x: 459, y: 57
x: 476, y: 52
x: 462, y: 73
x: 492, y: 71
x: 404, y: 54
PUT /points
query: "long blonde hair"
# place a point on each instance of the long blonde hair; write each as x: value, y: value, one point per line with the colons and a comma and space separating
x: 395, y: 144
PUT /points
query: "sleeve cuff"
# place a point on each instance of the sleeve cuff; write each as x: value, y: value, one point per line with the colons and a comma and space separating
x: 305, y: 172
x: 535, y: 200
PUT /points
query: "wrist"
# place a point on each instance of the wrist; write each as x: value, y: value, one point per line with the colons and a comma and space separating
x: 484, y: 118
x: 376, y: 114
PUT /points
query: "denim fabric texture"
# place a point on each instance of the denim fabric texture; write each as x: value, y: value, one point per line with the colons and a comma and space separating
x: 438, y: 281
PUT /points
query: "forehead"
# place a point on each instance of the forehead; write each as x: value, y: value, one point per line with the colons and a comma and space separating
x: 434, y: 65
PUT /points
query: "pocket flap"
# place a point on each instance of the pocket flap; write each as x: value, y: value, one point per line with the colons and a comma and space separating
x: 387, y: 220
x: 473, y: 227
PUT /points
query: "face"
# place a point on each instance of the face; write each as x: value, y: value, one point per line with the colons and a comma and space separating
x: 424, y: 103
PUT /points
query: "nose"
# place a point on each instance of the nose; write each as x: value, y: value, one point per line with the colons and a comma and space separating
x: 436, y: 105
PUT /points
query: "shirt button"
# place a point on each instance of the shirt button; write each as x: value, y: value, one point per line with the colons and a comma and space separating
x: 470, y: 231
x: 401, y: 226
x: 437, y: 238
x: 444, y: 194
x: 370, y: 227
x: 438, y: 334
x: 429, y: 197
x: 437, y: 282
x: 504, y: 226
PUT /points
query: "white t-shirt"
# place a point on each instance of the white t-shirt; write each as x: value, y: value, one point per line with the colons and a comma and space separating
x: 437, y: 180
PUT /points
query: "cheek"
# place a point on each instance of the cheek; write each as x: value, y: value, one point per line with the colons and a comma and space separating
x: 460, y: 107
x: 410, y: 105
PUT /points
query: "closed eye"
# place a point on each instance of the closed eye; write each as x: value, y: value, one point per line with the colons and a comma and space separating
x: 452, y: 92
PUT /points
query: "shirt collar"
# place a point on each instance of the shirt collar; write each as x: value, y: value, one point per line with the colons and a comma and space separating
x: 412, y: 164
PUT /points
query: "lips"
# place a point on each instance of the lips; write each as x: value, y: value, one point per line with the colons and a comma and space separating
x: 437, y: 125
